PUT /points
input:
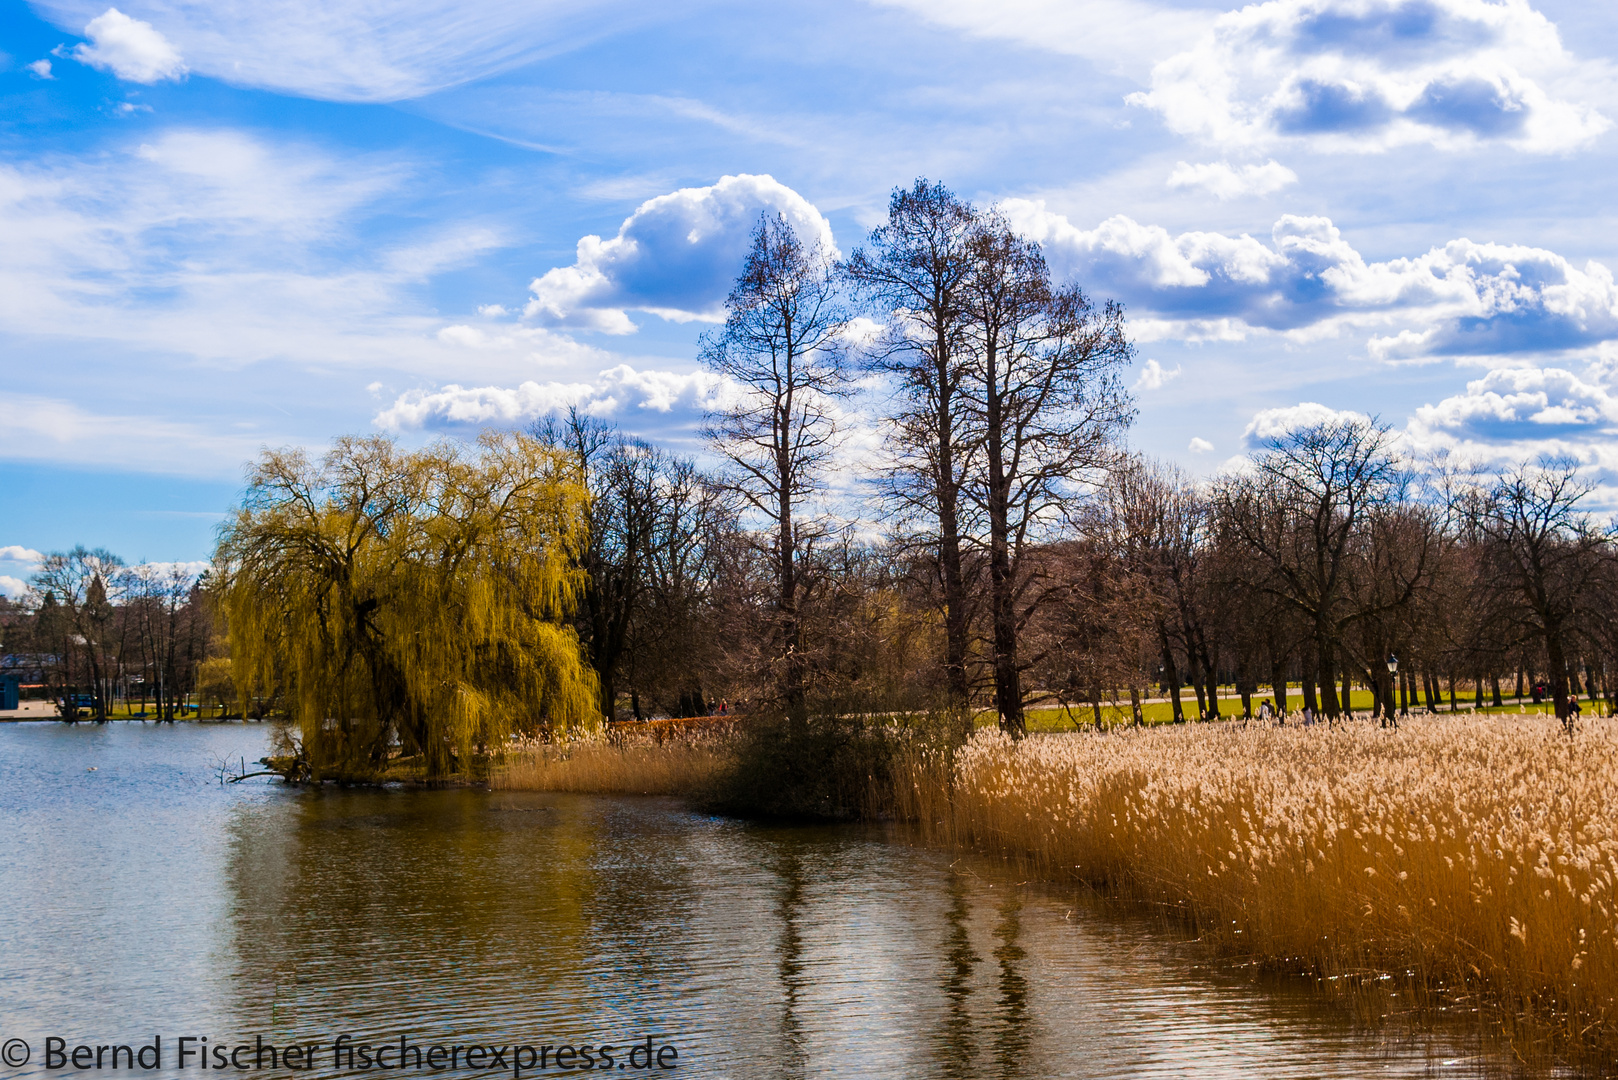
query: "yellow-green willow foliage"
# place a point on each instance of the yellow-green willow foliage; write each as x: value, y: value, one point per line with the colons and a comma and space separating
x: 412, y: 603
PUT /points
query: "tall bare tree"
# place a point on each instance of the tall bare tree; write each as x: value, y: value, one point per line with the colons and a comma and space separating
x: 624, y: 477
x: 914, y: 273
x: 1541, y: 557
x: 781, y: 346
x: 1044, y: 401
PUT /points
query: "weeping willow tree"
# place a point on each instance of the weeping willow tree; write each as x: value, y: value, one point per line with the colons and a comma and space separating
x: 408, y: 603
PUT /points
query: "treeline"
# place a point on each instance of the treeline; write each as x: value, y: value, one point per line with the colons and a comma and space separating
x: 430, y: 604
x: 1024, y: 554
x: 96, y: 627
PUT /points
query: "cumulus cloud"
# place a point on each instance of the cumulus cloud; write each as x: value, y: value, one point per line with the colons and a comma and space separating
x: 41, y: 69
x: 1270, y: 424
x: 614, y: 393
x: 129, y: 48
x: 1461, y: 299
x: 1224, y: 181
x: 1513, y: 413
x: 21, y: 561
x: 676, y: 256
x: 1366, y: 75
x: 1153, y: 376
x: 1199, y: 445
x: 18, y: 553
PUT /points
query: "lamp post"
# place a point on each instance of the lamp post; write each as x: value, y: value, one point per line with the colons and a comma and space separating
x: 1388, y: 712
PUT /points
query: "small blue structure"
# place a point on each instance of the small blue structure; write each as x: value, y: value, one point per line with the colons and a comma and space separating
x: 9, y: 694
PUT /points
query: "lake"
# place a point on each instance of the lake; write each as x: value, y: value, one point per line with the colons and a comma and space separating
x: 145, y: 900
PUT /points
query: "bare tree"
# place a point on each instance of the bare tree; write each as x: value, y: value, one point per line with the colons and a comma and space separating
x: 1044, y: 401
x: 623, y: 477
x: 1541, y: 556
x: 781, y: 346
x: 79, y: 587
x: 914, y: 274
x: 169, y: 619
x: 1300, y: 518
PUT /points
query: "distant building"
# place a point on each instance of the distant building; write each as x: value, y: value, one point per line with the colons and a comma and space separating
x: 27, y: 668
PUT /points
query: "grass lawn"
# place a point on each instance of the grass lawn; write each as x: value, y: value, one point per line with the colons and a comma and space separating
x: 1047, y: 718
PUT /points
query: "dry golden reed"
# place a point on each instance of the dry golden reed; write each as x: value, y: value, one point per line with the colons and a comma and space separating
x: 600, y: 764
x: 1476, y: 853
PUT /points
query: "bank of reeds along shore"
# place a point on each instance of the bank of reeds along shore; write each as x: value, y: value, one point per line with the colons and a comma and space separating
x: 1477, y: 856
x: 679, y: 763
x: 1473, y: 856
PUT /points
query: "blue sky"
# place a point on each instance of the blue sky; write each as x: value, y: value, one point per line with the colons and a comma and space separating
x: 225, y: 226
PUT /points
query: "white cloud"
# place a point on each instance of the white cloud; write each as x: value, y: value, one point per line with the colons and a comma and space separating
x: 1366, y: 75
x: 1518, y: 414
x: 1461, y: 299
x: 41, y: 69
x: 186, y: 570
x: 222, y: 246
x: 365, y: 51
x: 1513, y: 413
x: 676, y: 256
x: 1270, y: 424
x: 613, y: 393
x: 18, y: 553
x: 15, y: 588
x: 46, y: 429
x: 1153, y: 376
x: 129, y: 48
x: 1224, y: 181
x: 1122, y: 35
x: 1199, y: 445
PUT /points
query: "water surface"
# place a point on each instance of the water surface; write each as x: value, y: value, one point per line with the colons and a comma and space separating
x: 144, y: 898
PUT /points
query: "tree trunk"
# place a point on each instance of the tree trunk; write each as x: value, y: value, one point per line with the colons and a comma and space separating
x: 793, y: 692
x: 1171, y: 673
x: 1002, y: 597
x: 1328, y: 695
x: 1558, y: 666
x: 1278, y: 683
x: 949, y: 552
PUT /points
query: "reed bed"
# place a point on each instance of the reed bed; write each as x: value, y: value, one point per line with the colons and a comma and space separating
x: 614, y: 763
x: 1477, y: 855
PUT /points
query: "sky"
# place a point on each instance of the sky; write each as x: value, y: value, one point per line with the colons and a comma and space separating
x: 225, y: 227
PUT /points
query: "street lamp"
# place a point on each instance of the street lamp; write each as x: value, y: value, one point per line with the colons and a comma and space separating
x: 1393, y: 691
